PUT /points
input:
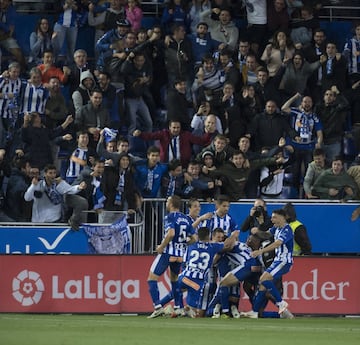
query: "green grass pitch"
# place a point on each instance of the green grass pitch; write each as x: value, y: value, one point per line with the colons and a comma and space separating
x: 41, y: 329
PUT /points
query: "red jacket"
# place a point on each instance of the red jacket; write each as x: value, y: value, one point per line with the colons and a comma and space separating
x: 187, y: 139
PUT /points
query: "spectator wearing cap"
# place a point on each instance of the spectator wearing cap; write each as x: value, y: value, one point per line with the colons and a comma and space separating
x: 106, y: 43
x: 207, y: 160
x: 106, y: 20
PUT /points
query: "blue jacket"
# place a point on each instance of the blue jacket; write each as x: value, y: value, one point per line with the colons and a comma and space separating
x: 141, y: 178
x: 202, y: 46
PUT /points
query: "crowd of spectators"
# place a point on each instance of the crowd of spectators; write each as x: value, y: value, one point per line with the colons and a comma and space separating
x: 216, y: 109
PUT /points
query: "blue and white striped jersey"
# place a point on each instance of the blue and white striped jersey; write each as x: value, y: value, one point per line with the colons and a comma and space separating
x: 226, y: 223
x: 238, y: 256
x: 306, y: 125
x: 285, y: 251
x: 183, y: 229
x: 33, y: 98
x: 192, y: 220
x: 199, y: 259
x: 8, y: 86
x: 74, y: 169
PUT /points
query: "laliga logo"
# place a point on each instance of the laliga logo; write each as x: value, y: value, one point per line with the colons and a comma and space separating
x: 27, y: 288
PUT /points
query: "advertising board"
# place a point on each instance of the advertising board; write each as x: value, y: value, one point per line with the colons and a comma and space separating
x: 118, y: 284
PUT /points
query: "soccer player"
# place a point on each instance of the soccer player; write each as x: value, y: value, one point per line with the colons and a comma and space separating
x: 199, y: 259
x: 240, y: 266
x: 233, y: 267
x: 221, y: 217
x: 242, y: 252
x: 283, y: 261
x: 171, y: 250
x: 194, y: 209
x: 210, y: 286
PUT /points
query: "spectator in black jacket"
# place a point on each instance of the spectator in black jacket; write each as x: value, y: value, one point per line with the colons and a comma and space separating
x: 80, y: 65
x: 178, y: 57
x: 269, y: 126
x: 138, y: 77
x: 332, y: 113
x: 266, y: 87
x: 257, y: 218
x: 37, y: 138
x: 119, y: 189
x: 177, y: 104
x: 19, y: 181
x: 334, y: 69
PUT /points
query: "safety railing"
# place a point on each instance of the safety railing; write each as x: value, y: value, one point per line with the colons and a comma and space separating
x: 323, y: 219
x: 332, y: 13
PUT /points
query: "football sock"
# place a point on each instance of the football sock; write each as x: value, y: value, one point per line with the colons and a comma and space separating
x: 154, y: 292
x: 224, y: 298
x: 166, y: 299
x: 259, y: 300
x: 176, y: 292
x: 270, y: 286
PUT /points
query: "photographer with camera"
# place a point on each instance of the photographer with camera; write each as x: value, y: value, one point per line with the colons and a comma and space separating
x: 257, y: 218
x: 47, y: 195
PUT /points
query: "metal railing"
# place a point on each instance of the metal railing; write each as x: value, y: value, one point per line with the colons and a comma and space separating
x: 150, y: 8
x: 332, y: 13
x: 35, y: 6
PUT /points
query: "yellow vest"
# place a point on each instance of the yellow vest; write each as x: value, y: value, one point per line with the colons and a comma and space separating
x: 294, y: 225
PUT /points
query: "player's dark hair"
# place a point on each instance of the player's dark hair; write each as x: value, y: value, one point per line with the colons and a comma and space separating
x: 203, y: 233
x: 280, y: 212
x: 152, y: 149
x: 218, y: 230
x: 191, y: 201
x: 173, y: 164
x: 319, y: 152
x: 222, y: 198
